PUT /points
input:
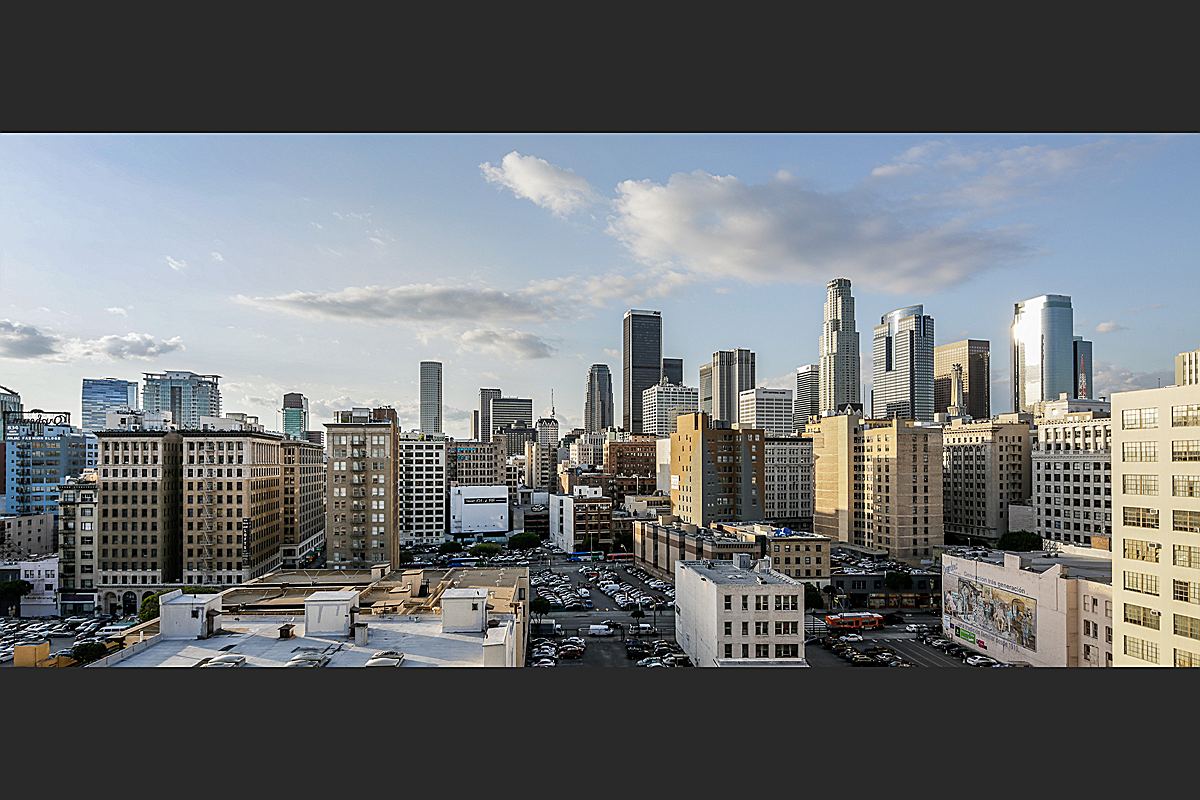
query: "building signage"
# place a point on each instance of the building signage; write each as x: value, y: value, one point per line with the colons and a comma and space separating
x: 471, y: 500
x: 964, y: 634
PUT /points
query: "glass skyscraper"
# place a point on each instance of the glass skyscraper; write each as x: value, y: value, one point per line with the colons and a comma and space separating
x: 102, y: 395
x: 1043, y: 350
x: 295, y: 416
x: 598, y: 399
x: 40, y: 456
x: 431, y: 397
x: 902, y: 360
x: 186, y: 395
x: 641, y: 363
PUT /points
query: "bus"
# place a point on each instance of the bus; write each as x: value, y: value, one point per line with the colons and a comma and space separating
x: 595, y: 555
x: 619, y: 557
x: 463, y: 562
x: 854, y: 621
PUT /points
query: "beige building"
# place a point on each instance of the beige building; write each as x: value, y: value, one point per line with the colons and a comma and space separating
x: 660, y: 543
x: 472, y: 463
x: 1156, y: 526
x: 1187, y: 368
x: 78, y: 532
x: 716, y: 473
x: 788, y: 481
x: 903, y: 488
x: 987, y: 466
x: 303, y: 500
x: 799, y: 555
x: 1041, y: 609
x: 739, y: 613
x: 974, y: 356
x: 26, y: 535
x: 1072, y: 479
x: 839, y: 509
x: 362, y: 517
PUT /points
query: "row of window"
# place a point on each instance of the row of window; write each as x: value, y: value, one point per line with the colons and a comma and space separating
x: 764, y: 651
x: 1181, y: 450
x: 1181, y: 520
x: 1143, y: 418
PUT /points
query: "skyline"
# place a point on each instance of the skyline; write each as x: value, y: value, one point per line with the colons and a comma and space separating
x: 312, y: 263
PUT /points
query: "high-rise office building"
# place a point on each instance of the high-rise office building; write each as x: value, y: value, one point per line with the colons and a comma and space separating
x: 303, y: 501
x: 787, y: 476
x: 40, y: 452
x: 1043, y: 350
x: 641, y: 364
x: 102, y: 395
x: 986, y: 468
x: 1187, y: 369
x: 186, y: 395
x: 485, y: 427
x: 672, y: 370
x: 974, y: 356
x: 663, y: 403
x: 1156, y: 527
x: 421, y: 477
x: 808, y: 396
x: 706, y: 396
x: 598, y: 399
x: 840, y: 373
x: 508, y: 411
x: 1081, y: 357
x: 733, y: 372
x: 295, y: 415
x: 768, y: 409
x: 431, y: 397
x: 902, y: 360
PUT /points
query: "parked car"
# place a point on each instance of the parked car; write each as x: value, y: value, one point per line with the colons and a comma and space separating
x: 981, y: 661
x: 851, y: 637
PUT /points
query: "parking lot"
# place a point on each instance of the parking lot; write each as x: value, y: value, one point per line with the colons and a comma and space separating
x: 904, y: 646
x: 61, y: 634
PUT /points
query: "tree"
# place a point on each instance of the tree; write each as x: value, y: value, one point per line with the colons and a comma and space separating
x: 446, y: 548
x: 539, y: 607
x: 1020, y: 541
x: 485, y: 550
x: 524, y: 541
x: 637, y: 613
x: 11, y: 592
x: 88, y: 652
x: 404, y: 556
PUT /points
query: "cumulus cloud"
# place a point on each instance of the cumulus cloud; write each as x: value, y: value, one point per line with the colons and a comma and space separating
x: 408, y: 303
x: 1109, y: 378
x: 26, y: 342
x: 118, y: 310
x: 1110, y: 327
x: 215, y: 256
x: 720, y: 227
x: 176, y: 264
x: 542, y: 183
x: 505, y: 343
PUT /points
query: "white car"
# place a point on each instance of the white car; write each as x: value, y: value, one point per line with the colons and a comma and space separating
x: 851, y: 637
x: 981, y: 661
x: 912, y: 628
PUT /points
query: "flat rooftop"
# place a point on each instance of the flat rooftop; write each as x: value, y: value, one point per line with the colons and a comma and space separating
x: 724, y: 572
x: 256, y: 637
x: 1097, y: 568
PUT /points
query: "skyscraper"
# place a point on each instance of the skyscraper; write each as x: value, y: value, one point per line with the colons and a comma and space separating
x: 733, y: 372
x: 102, y: 395
x: 1043, y: 350
x: 295, y: 416
x: 974, y: 356
x: 431, y: 397
x: 839, y: 365
x: 641, y: 365
x: 486, y: 429
x: 509, y: 410
x: 186, y: 395
x: 808, y: 395
x: 706, y: 399
x: 598, y: 402
x: 1081, y: 358
x: 672, y: 370
x: 902, y: 360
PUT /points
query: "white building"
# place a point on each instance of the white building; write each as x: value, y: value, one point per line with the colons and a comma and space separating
x: 788, y: 481
x: 739, y: 613
x: 132, y: 420
x: 1072, y: 478
x: 581, y: 520
x: 663, y: 402
x: 588, y: 450
x: 478, y: 510
x: 808, y: 396
x: 662, y: 465
x: 42, y: 574
x: 768, y: 409
x: 1156, y: 526
x: 421, y: 477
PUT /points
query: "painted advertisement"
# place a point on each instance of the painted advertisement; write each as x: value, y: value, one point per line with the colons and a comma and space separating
x: 990, y: 610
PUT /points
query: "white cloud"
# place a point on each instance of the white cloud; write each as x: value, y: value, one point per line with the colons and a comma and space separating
x: 118, y: 310
x: 539, y: 181
x: 25, y: 342
x: 1109, y: 378
x: 176, y: 264
x: 375, y: 240
x: 216, y: 256
x: 720, y: 227
x: 1110, y: 327
x: 131, y: 345
x: 21, y: 341
x: 505, y: 343
x: 409, y: 303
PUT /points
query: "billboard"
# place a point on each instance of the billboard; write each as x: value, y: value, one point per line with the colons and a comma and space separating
x: 990, y: 611
x: 478, y: 509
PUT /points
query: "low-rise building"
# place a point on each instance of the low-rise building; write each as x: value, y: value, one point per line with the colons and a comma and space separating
x: 1041, y: 609
x: 660, y: 543
x: 739, y: 613
x: 26, y: 535
x: 42, y: 574
x: 581, y: 521
x: 478, y: 511
x: 798, y: 554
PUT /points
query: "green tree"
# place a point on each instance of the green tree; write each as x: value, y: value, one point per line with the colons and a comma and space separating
x: 88, y: 652
x: 539, y: 607
x: 637, y: 614
x: 404, y: 556
x: 485, y: 550
x: 1020, y: 541
x: 11, y: 593
x: 524, y: 541
x: 446, y: 548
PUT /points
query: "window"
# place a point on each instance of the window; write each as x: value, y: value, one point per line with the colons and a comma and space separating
x: 1187, y: 556
x: 762, y: 651
x: 1136, y: 517
x: 729, y: 651
x: 1185, y: 591
x: 762, y: 628
x: 1140, y: 615
x: 728, y: 602
x: 762, y: 602
x: 1140, y: 484
x: 1187, y: 626
x: 1141, y: 550
x: 728, y: 628
x: 1186, y: 450
x: 1185, y: 486
x: 1186, y: 521
x: 1139, y: 418
x: 1185, y: 416
x: 787, y: 602
x: 1184, y: 658
x: 745, y: 602
x: 787, y: 628
x: 1141, y: 582
x: 787, y: 651
x: 1139, y: 451
x: 1140, y: 648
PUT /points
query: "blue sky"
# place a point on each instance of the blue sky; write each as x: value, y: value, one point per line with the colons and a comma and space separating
x: 331, y: 265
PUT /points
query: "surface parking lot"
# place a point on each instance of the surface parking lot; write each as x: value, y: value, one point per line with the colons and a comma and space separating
x: 896, y: 639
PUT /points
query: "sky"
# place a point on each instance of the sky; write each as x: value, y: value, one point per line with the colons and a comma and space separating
x: 333, y: 265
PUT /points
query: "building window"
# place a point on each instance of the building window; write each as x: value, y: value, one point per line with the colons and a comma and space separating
x: 787, y: 628
x: 1141, y: 550
x: 1140, y: 615
x: 787, y: 651
x: 1186, y: 450
x: 1185, y: 486
x: 1185, y: 658
x: 1141, y: 582
x: 1186, y: 521
x: 762, y: 628
x: 1137, y: 517
x: 1139, y: 451
x: 728, y: 628
x: 1185, y: 416
x: 762, y: 651
x: 1141, y: 649
x: 1185, y: 591
x: 728, y: 602
x: 1187, y: 626
x: 1139, y: 418
x: 1186, y: 556
x: 729, y: 651
x: 1140, y: 484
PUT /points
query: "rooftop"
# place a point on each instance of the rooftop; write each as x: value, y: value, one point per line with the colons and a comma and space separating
x: 725, y: 573
x: 1094, y: 568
